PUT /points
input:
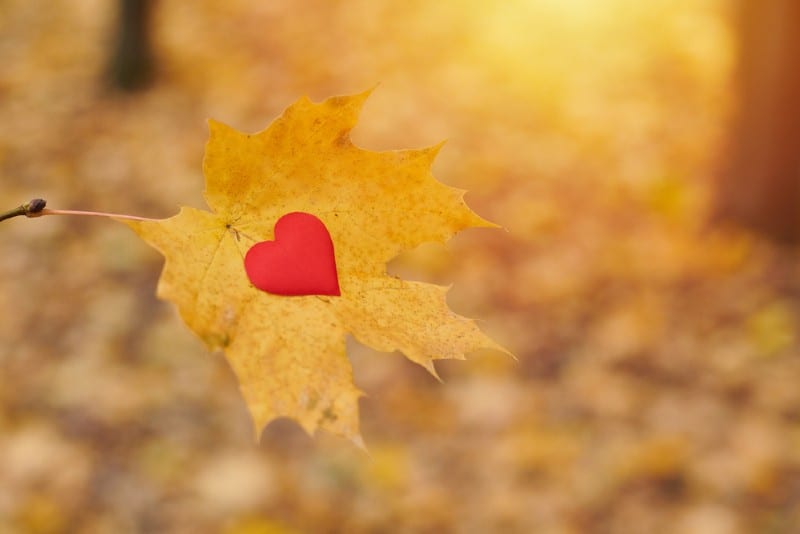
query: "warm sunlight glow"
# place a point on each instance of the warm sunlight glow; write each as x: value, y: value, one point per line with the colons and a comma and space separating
x: 656, y: 385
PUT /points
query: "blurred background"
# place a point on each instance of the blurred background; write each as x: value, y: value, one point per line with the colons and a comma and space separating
x: 642, y: 157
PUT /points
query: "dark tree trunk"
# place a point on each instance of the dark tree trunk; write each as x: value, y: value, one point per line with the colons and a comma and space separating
x: 760, y: 182
x: 131, y: 65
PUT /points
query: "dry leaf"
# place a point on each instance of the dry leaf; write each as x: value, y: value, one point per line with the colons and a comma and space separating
x: 288, y: 350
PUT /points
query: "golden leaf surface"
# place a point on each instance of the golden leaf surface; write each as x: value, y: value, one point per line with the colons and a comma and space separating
x: 288, y: 352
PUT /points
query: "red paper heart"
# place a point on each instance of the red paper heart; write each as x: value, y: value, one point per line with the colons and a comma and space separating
x: 299, y: 262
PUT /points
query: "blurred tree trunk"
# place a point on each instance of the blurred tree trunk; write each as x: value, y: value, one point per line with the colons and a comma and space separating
x: 131, y: 66
x: 760, y: 182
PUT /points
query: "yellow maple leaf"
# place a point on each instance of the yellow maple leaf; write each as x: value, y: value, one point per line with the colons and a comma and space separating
x: 288, y: 350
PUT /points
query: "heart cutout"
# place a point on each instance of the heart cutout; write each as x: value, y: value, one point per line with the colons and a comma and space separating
x: 300, y: 261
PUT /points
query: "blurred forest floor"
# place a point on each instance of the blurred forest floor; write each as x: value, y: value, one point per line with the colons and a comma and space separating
x: 659, y: 358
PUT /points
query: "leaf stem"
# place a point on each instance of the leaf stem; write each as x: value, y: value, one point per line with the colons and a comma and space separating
x: 36, y: 208
x: 96, y: 214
